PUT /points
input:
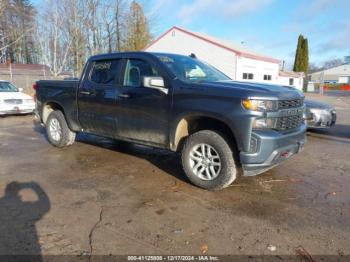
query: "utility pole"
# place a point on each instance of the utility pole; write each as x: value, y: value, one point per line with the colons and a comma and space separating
x: 322, y: 83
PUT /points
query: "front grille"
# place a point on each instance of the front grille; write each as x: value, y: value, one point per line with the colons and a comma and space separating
x: 13, y: 101
x: 284, y: 104
x: 289, y: 122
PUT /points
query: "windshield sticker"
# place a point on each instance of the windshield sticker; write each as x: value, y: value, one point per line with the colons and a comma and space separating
x: 102, y: 66
x: 166, y: 59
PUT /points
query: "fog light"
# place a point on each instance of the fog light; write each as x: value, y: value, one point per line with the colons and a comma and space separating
x: 253, y: 145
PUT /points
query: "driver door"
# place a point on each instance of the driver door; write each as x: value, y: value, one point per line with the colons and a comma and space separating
x: 143, y: 112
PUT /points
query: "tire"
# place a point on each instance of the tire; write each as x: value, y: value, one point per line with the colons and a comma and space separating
x: 64, y: 136
x: 214, y: 176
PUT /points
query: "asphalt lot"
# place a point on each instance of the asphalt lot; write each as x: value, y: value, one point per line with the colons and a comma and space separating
x: 100, y: 196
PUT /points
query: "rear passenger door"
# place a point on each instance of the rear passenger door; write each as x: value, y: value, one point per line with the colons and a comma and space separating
x: 143, y: 112
x: 97, y: 97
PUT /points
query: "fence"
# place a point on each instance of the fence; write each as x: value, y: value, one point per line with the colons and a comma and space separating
x: 25, y: 81
x: 24, y: 76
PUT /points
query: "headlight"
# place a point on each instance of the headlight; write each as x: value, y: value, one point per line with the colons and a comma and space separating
x: 28, y: 101
x: 264, y: 123
x: 260, y: 105
x: 318, y: 111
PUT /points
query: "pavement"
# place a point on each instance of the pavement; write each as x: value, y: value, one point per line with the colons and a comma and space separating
x: 105, y: 197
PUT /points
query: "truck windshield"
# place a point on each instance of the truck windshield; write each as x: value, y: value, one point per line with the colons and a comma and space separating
x: 7, y: 87
x: 191, y: 70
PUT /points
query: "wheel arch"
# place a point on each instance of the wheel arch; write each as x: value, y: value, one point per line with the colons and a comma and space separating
x: 188, y: 125
x: 49, y: 107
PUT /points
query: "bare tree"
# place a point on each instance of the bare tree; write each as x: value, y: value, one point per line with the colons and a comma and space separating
x: 16, y: 37
x: 3, y: 6
x: 120, y: 16
x: 332, y: 63
x: 52, y: 38
x: 65, y: 33
x: 75, y: 26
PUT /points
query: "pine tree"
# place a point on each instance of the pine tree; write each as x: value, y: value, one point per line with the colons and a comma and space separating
x: 301, y: 62
x: 306, y: 56
x: 298, y: 54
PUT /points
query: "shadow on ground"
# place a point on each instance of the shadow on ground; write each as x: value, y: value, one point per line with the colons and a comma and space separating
x: 17, y: 221
x: 163, y: 159
x: 333, y: 133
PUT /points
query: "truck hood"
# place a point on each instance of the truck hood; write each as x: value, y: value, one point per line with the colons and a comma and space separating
x: 14, y: 95
x: 255, y: 90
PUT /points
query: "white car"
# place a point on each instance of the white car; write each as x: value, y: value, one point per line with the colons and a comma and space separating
x: 13, y: 101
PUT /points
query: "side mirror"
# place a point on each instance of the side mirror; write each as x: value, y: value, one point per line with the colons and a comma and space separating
x: 20, y: 89
x: 155, y: 82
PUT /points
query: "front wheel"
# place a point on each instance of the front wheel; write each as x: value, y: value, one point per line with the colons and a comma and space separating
x: 208, y: 160
x: 58, y: 132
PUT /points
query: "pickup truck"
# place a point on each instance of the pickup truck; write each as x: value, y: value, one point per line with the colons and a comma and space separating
x: 222, y: 128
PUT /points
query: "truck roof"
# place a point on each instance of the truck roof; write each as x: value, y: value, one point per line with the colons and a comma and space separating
x: 120, y: 54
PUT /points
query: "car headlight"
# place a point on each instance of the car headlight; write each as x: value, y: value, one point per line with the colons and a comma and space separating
x: 28, y: 101
x: 318, y: 111
x: 260, y: 105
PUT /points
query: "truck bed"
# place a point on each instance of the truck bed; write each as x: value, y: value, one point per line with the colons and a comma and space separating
x: 58, y: 83
x: 61, y: 92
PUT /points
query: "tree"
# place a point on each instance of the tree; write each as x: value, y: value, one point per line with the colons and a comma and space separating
x: 301, y: 62
x: 77, y: 13
x: 53, y: 40
x: 138, y: 35
x: 65, y: 33
x: 119, y: 24
x: 3, y: 6
x: 332, y: 63
x: 313, y: 68
x: 17, y: 18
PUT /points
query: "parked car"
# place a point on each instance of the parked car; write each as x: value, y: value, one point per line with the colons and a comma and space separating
x: 319, y: 115
x: 13, y: 101
x: 181, y: 104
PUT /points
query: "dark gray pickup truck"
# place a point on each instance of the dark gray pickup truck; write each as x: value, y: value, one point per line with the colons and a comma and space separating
x: 221, y: 127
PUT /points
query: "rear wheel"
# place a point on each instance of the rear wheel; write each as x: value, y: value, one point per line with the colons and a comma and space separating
x: 208, y: 160
x: 58, y: 132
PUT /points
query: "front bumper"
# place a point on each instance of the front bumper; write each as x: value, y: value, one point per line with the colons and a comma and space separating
x: 273, y: 147
x: 17, y: 109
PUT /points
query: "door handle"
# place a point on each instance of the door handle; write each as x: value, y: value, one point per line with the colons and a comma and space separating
x: 85, y: 92
x: 124, y: 96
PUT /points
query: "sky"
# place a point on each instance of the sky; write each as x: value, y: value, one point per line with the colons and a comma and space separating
x: 270, y: 27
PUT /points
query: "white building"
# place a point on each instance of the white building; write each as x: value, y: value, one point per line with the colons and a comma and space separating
x: 235, y: 61
x: 339, y: 74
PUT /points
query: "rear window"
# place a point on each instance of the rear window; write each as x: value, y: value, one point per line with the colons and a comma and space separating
x: 105, y: 72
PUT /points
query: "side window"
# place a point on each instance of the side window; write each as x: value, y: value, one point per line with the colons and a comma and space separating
x: 135, y: 71
x: 248, y: 76
x: 105, y: 72
x: 267, y: 77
